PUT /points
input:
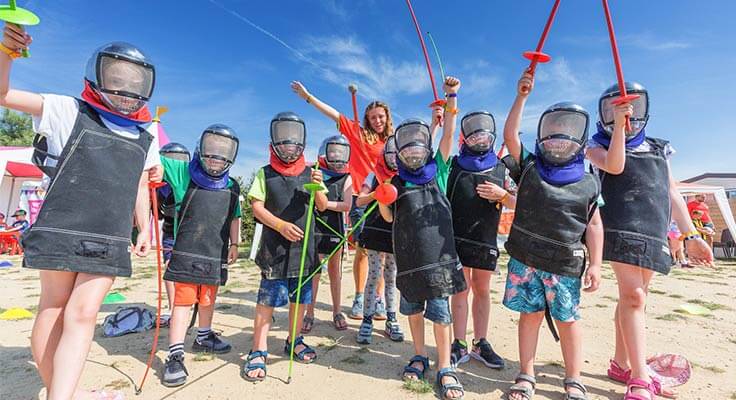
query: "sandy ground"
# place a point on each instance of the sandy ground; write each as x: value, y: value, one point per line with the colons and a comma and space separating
x: 347, y: 370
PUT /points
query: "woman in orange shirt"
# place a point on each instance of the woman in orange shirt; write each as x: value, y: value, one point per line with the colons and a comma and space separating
x: 367, y: 142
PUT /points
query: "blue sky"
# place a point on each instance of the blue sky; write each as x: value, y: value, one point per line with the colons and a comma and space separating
x: 231, y: 61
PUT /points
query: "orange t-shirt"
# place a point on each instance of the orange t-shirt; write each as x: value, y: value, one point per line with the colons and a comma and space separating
x: 361, y: 164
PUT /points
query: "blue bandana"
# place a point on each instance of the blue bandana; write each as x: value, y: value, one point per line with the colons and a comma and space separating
x: 559, y: 175
x: 331, y: 173
x: 202, y: 179
x: 474, y: 162
x: 421, y: 176
x: 602, y: 137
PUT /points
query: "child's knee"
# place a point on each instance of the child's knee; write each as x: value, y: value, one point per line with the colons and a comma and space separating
x: 84, y: 313
x: 635, y: 298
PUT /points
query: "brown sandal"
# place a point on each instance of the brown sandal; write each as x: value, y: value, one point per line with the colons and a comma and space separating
x: 340, y: 322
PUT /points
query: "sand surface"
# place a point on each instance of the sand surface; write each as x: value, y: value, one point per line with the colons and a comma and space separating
x: 346, y: 370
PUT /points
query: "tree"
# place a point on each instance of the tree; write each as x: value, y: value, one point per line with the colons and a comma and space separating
x: 248, y: 221
x: 15, y: 129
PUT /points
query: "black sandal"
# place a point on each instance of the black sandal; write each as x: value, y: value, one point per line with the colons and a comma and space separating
x: 253, y: 366
x: 414, y: 370
x: 300, y: 356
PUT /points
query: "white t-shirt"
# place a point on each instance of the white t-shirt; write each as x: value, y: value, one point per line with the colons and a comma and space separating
x: 57, y: 121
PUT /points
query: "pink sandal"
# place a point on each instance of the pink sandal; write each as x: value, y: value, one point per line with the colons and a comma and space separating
x: 640, y: 384
x: 618, y: 374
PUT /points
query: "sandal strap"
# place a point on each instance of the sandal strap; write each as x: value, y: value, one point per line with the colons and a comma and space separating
x: 576, y: 384
x: 526, y: 378
x: 255, y: 354
x: 524, y: 391
x: 422, y: 359
x: 446, y: 387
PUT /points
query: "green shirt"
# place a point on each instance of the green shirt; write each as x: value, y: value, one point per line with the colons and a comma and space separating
x: 443, y: 172
x: 176, y: 174
x: 258, y: 187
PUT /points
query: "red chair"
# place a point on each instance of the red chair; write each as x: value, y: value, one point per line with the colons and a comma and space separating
x: 10, y: 243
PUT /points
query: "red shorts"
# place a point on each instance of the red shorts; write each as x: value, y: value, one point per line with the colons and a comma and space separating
x: 186, y: 294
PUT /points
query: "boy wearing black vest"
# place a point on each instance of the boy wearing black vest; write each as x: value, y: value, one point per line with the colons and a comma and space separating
x: 207, y: 231
x: 280, y: 202
x: 429, y: 271
x: 556, y: 219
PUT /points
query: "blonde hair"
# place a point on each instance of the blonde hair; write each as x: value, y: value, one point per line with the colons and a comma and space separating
x: 371, y: 136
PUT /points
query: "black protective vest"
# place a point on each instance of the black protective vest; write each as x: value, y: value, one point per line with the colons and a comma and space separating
x: 475, y: 219
x: 85, y: 222
x: 287, y: 199
x: 424, y: 245
x: 636, y: 216
x: 203, y: 235
x: 550, y: 222
x: 327, y: 240
x: 376, y: 234
x: 167, y: 211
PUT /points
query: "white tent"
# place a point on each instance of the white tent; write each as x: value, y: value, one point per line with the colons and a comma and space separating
x: 17, y: 168
x: 690, y: 189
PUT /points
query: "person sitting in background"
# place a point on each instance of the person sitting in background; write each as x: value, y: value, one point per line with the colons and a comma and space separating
x: 20, y: 224
x: 703, y: 225
x: 3, y: 224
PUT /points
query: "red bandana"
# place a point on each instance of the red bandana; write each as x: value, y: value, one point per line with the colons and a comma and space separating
x: 93, y: 98
x: 291, y: 169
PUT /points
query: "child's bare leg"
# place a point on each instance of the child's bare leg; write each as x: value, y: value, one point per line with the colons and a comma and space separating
x: 56, y: 287
x: 571, y: 341
x: 80, y: 317
x: 528, y: 335
x: 633, y: 283
x: 179, y: 323
x: 480, y: 283
x: 459, y: 306
x: 416, y: 327
x: 299, y: 318
x: 262, y: 325
x: 333, y: 269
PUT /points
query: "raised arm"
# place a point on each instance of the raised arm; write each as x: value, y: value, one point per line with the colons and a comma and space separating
x: 613, y: 159
x: 451, y: 87
x: 16, y: 39
x: 324, y: 108
x: 513, y: 121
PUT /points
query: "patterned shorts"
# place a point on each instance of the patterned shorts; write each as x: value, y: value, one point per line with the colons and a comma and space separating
x: 530, y: 290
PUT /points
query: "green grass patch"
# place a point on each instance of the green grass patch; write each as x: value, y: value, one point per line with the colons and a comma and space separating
x: 145, y: 275
x: 199, y: 357
x: 418, y: 386
x: 29, y: 278
x: 32, y: 295
x: 601, y: 305
x: 657, y: 291
x: 363, y: 350
x: 223, y: 306
x: 557, y: 364
x: 671, y: 317
x: 614, y: 299
x: 329, y: 344
x: 33, y: 308
x: 676, y: 296
x: 710, y: 305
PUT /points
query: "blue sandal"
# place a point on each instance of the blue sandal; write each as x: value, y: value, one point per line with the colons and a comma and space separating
x: 252, y: 366
x: 416, y: 371
x: 446, y: 387
x: 300, y: 356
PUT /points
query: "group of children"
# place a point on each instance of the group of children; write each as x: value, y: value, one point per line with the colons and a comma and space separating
x: 432, y: 246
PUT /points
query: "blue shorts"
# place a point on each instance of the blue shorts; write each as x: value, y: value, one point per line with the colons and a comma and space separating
x: 167, y: 244
x: 356, y: 213
x: 278, y: 292
x: 435, y: 310
x: 530, y: 290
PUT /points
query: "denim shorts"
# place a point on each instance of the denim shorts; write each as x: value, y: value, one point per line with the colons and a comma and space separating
x: 435, y: 310
x: 167, y: 244
x: 356, y: 213
x: 278, y: 292
x: 530, y: 290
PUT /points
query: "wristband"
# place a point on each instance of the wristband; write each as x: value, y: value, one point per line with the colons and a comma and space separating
x: 13, y: 54
x: 279, y: 225
x: 452, y: 95
x: 309, y: 98
x: 452, y: 111
x: 233, y: 244
x: 689, y: 235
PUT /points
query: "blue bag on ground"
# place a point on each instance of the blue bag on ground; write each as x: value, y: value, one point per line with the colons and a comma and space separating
x: 128, y: 320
